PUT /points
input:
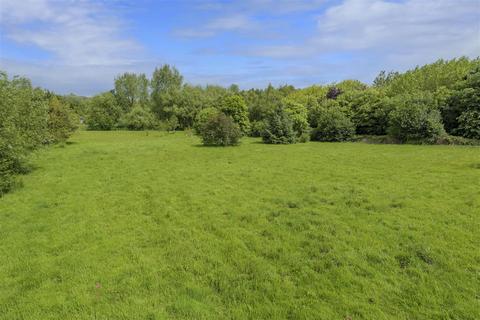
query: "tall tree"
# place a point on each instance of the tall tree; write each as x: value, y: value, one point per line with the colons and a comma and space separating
x: 166, y: 84
x: 131, y: 89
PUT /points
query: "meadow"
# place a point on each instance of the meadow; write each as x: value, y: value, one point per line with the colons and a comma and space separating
x: 152, y: 225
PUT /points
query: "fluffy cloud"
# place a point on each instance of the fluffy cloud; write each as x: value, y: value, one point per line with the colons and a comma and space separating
x: 426, y: 29
x: 75, y: 32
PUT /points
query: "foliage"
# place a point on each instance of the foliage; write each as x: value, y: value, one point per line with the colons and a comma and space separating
x: 62, y: 121
x: 29, y: 118
x: 383, y: 79
x: 203, y: 117
x: 370, y: 110
x: 139, y: 118
x: 257, y: 128
x: 131, y: 89
x: 279, y: 128
x: 104, y: 112
x: 220, y: 130
x: 469, y: 124
x: 333, y: 92
x: 442, y: 73
x: 414, y: 118
x: 262, y: 102
x: 298, y: 114
x: 166, y: 84
x: 333, y: 125
x: 461, y: 110
x: 235, y: 107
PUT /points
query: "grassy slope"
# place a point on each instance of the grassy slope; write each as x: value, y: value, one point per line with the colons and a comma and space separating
x: 122, y: 225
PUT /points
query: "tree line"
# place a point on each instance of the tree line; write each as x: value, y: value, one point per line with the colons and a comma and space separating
x: 435, y: 103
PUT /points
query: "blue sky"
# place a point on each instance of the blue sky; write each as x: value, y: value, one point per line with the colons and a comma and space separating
x: 79, y: 46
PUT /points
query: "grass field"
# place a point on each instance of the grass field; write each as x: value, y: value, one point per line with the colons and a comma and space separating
x: 129, y: 225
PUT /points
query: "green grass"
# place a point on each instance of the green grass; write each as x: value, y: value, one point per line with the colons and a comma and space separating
x: 125, y: 225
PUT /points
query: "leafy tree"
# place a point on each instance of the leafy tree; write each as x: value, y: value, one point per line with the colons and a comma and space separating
x: 257, y: 128
x: 370, y: 110
x: 131, y: 89
x: 104, y: 112
x: 279, y: 128
x: 220, y: 130
x: 235, y: 107
x: 166, y: 85
x: 461, y: 110
x: 469, y: 124
x: 23, y: 126
x: 383, y: 79
x: 139, y: 118
x: 333, y: 125
x: 430, y: 77
x: 203, y: 117
x: 62, y: 121
x: 77, y: 104
x: 262, y: 102
x: 298, y: 114
x: 414, y: 119
x: 189, y: 103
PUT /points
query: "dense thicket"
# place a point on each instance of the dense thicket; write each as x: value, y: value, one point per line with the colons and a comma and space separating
x: 29, y: 118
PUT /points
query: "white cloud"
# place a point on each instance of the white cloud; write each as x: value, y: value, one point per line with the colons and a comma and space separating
x: 409, y: 30
x: 76, y: 32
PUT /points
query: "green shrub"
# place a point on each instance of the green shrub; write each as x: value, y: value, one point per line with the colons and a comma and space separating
x: 370, y: 109
x: 469, y: 124
x: 139, y: 118
x: 24, y: 119
x: 414, y: 117
x: 62, y: 121
x: 462, y: 109
x: 104, y: 112
x: 235, y: 107
x: 203, y: 117
x: 279, y: 128
x: 333, y: 125
x: 298, y: 113
x: 257, y: 128
x: 221, y: 130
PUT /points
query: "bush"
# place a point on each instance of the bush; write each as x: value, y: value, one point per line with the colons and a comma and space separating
x: 415, y: 118
x: 462, y: 109
x: 333, y: 125
x: 235, y: 107
x: 220, y: 130
x: 203, y: 117
x: 469, y: 124
x: 370, y: 111
x: 104, y: 112
x: 298, y: 113
x: 279, y: 128
x: 23, y: 126
x: 257, y: 128
x: 62, y: 122
x: 139, y: 118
